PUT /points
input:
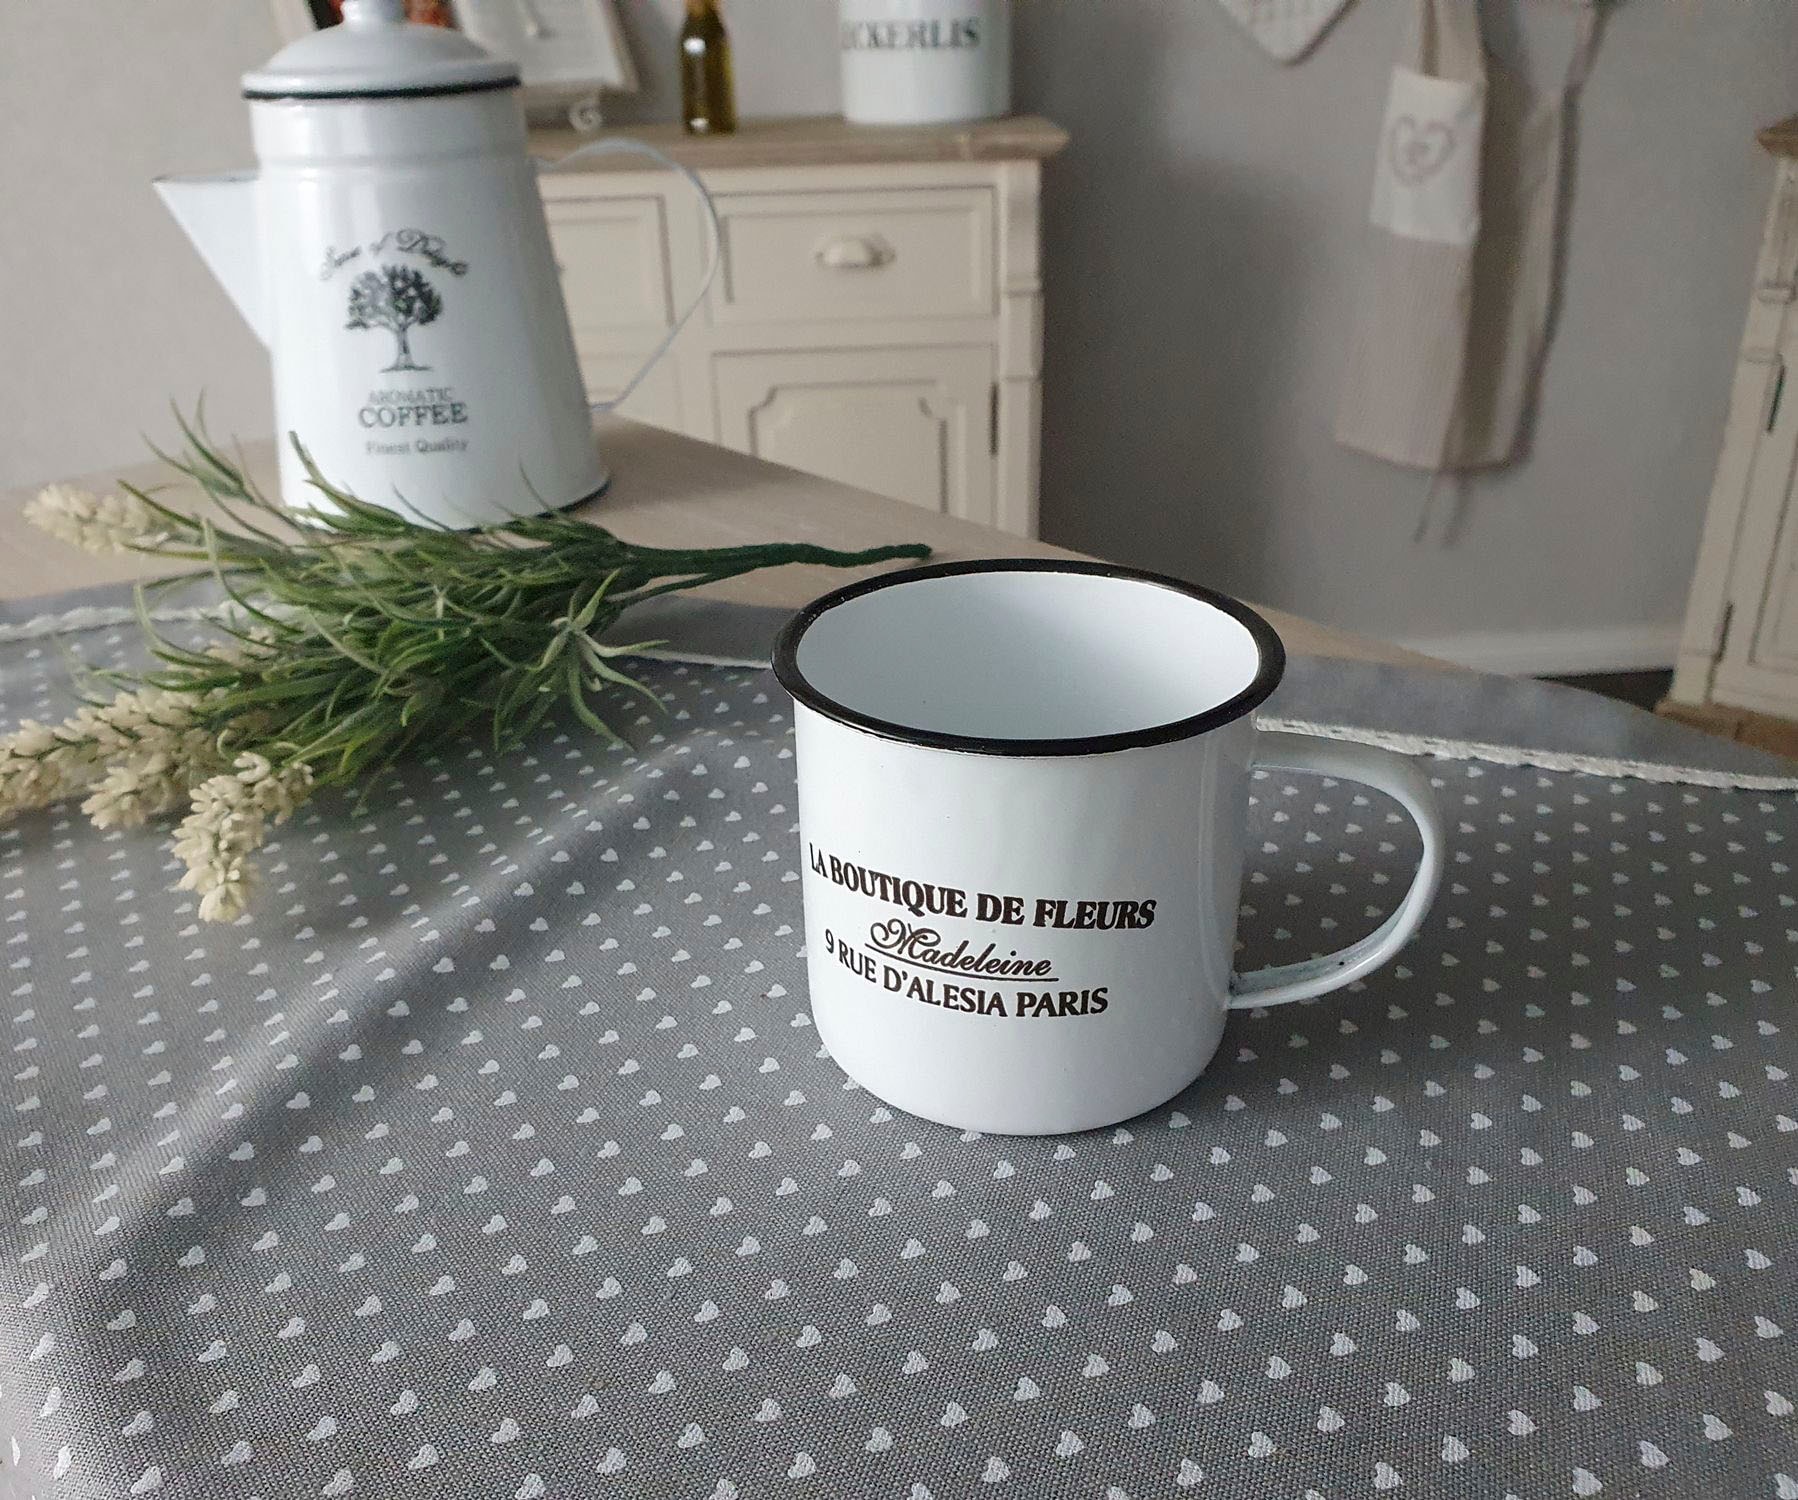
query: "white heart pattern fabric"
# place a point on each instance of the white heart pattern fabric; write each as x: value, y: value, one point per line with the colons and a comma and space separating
x: 608, y: 1222
x: 1286, y: 30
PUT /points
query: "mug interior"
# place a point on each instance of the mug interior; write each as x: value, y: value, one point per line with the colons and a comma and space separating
x: 1027, y: 655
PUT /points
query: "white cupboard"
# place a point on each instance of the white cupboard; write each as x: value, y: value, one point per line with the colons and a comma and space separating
x: 877, y: 313
x: 1739, y: 647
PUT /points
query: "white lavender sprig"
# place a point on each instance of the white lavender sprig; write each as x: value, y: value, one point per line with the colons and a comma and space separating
x: 353, y: 640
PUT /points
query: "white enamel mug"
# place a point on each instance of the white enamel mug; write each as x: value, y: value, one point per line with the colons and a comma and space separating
x: 1023, y: 788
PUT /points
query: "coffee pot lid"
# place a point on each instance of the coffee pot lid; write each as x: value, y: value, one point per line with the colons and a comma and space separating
x: 377, y: 54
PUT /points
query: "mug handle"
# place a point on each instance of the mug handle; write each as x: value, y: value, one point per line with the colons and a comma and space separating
x: 1405, y: 783
x: 624, y: 146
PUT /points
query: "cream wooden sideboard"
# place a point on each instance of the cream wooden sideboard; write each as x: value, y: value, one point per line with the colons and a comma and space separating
x: 1739, y: 647
x: 877, y: 313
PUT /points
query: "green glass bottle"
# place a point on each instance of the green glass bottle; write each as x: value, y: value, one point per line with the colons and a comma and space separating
x: 708, y: 92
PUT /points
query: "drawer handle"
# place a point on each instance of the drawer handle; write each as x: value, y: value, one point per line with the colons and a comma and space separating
x: 854, y: 252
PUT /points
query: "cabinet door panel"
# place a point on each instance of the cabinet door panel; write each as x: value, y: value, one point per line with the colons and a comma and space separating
x: 613, y: 257
x: 1759, y: 666
x: 914, y: 424
x: 1768, y: 574
x: 1776, y: 643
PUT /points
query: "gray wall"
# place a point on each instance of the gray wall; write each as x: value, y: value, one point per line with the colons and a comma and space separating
x: 1203, y: 240
x: 1202, y: 247
x: 784, y: 53
x: 106, y: 314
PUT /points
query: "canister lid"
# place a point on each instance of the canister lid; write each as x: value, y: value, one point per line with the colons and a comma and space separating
x: 377, y: 54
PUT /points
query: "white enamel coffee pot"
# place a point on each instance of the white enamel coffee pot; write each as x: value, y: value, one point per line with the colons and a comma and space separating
x: 392, y: 253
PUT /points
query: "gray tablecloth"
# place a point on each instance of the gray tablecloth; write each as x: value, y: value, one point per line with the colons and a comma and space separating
x: 497, y: 1155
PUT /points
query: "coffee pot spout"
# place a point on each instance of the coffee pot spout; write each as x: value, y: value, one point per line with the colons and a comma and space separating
x: 219, y: 215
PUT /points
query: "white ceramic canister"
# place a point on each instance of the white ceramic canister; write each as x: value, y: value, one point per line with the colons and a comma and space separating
x: 916, y: 62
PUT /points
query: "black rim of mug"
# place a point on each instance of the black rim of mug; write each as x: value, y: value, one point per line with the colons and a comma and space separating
x: 1270, y: 650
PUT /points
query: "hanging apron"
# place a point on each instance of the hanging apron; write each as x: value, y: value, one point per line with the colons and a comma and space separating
x: 1410, y: 343
x: 1515, y: 260
x: 1455, y: 313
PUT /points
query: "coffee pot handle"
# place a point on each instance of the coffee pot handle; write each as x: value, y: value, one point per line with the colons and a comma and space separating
x: 625, y: 146
x: 1401, y: 780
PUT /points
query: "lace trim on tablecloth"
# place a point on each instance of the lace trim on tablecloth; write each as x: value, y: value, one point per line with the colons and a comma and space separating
x: 1544, y: 760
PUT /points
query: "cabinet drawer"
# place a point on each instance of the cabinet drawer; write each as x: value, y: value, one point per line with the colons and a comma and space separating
x: 844, y: 256
x: 613, y: 257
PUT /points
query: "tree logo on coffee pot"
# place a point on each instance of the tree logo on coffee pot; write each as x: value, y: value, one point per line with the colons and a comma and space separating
x: 399, y: 299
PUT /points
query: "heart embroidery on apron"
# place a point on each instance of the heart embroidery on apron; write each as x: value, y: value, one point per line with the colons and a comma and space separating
x: 1418, y: 151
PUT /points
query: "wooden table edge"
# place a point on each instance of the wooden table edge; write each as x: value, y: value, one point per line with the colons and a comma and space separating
x: 667, y: 488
